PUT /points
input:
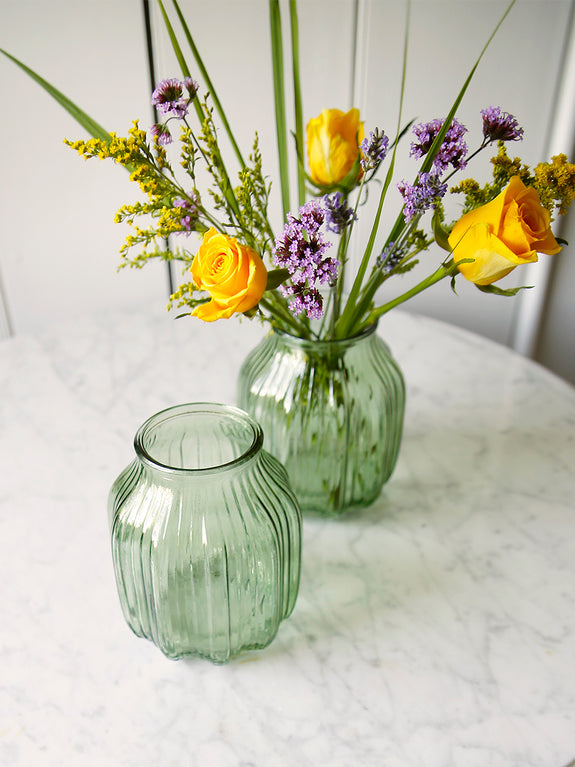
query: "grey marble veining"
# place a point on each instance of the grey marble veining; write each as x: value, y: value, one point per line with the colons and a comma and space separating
x: 435, y: 628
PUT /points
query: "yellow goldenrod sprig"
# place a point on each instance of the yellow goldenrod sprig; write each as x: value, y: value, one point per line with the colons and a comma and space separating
x: 555, y: 183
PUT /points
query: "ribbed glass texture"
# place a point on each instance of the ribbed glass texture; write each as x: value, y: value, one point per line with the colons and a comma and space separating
x: 332, y: 413
x: 206, y: 534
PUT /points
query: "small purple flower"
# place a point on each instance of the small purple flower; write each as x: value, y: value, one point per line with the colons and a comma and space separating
x: 337, y: 214
x: 190, y: 213
x: 374, y: 149
x: 422, y: 195
x: 452, y: 150
x: 161, y: 133
x: 300, y: 248
x: 500, y: 126
x: 304, y: 300
x: 311, y: 217
x: 390, y: 257
x: 174, y: 96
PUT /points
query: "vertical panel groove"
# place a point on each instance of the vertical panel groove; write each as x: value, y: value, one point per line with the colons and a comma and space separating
x: 358, y: 86
x: 530, y: 305
x: 5, y: 323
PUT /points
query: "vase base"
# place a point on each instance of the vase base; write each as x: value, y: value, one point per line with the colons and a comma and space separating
x: 217, y: 658
x: 325, y: 510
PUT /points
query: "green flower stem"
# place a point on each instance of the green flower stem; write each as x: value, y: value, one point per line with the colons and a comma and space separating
x: 376, y: 279
x: 297, y: 100
x: 344, y: 323
x: 326, y: 313
x: 342, y: 257
x: 342, y: 254
x: 338, y: 288
x: 212, y: 220
x: 277, y: 309
x: 342, y: 326
x: 445, y: 270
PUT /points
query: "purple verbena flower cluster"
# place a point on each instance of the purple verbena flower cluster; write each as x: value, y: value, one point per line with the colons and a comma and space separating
x: 452, y: 150
x: 390, y: 257
x: 373, y: 148
x: 304, y: 300
x: 161, y: 133
x: 337, y: 213
x: 422, y: 195
x: 175, y: 96
x: 190, y: 213
x: 300, y: 248
x: 500, y: 126
x: 428, y: 189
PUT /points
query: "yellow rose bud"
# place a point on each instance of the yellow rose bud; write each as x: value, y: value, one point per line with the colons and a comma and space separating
x: 508, y: 231
x: 234, y: 275
x: 333, y: 141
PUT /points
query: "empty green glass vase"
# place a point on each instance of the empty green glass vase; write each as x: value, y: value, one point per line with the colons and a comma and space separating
x: 332, y: 413
x: 206, y: 534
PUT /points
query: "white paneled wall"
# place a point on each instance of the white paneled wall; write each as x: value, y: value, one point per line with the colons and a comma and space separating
x: 58, y: 244
x: 545, y: 326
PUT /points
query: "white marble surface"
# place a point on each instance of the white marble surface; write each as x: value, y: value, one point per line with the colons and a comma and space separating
x: 436, y: 628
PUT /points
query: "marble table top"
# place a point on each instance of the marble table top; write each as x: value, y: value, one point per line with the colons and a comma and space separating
x: 435, y: 628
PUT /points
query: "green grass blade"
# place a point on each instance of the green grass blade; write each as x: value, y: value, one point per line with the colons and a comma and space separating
x: 430, y: 156
x: 435, y: 147
x: 347, y: 316
x: 207, y: 80
x: 279, y: 100
x: 179, y: 55
x: 226, y: 188
x: 297, y: 99
x: 373, y: 284
x: 90, y: 125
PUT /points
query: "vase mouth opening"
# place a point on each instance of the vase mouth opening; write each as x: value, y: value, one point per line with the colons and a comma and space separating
x: 332, y: 342
x: 198, y: 438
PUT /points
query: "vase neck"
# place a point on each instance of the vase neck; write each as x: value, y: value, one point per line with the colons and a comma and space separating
x: 327, y: 345
x: 200, y: 439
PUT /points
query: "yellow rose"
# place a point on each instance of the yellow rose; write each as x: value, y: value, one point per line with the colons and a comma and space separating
x: 234, y: 275
x: 508, y: 231
x: 333, y: 141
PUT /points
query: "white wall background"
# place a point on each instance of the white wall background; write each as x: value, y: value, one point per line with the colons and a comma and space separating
x: 58, y: 242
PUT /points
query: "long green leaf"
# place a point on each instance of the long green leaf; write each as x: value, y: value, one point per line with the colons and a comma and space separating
x: 226, y: 188
x: 374, y: 283
x: 297, y: 99
x: 435, y: 147
x: 438, y: 141
x: 347, y: 317
x: 93, y: 128
x: 279, y: 100
x: 180, y: 56
x: 207, y: 80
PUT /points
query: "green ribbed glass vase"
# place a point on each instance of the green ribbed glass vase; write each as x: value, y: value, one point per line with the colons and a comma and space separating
x: 206, y: 534
x: 332, y: 413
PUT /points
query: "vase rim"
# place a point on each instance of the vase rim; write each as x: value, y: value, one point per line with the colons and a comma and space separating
x: 334, y: 342
x: 254, y: 437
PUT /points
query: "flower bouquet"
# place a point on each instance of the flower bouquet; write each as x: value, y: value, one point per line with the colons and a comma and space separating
x: 322, y: 384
